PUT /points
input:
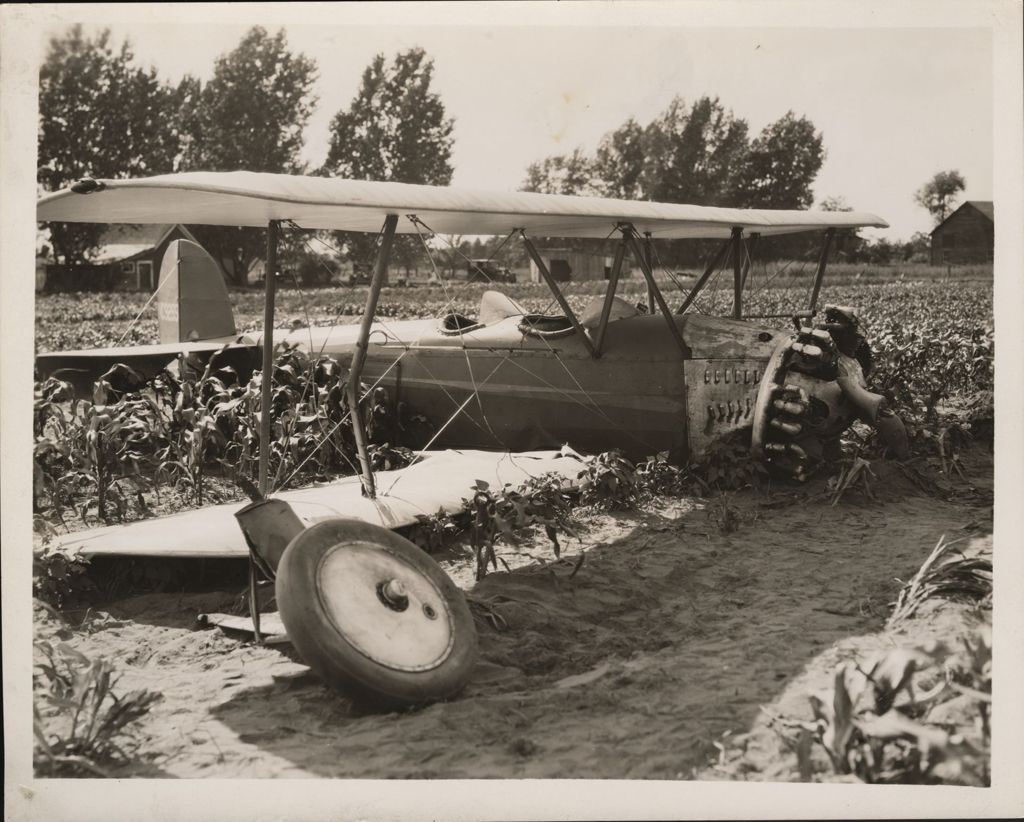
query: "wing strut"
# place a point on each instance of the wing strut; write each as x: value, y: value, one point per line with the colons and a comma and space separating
x: 266, y: 387
x: 649, y: 255
x: 613, y: 284
x: 557, y: 293
x: 380, y: 269
x: 820, y: 273
x: 737, y: 273
x: 629, y: 235
x: 267, y: 377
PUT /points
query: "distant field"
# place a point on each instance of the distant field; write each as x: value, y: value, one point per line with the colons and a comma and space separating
x: 70, y: 321
x: 855, y: 273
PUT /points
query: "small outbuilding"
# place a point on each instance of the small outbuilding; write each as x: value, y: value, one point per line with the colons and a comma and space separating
x: 965, y: 236
x: 128, y: 259
x: 570, y: 264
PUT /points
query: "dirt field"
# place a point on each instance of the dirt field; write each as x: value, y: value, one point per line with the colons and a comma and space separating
x: 652, y: 662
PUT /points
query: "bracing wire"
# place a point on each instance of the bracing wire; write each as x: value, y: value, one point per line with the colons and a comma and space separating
x: 148, y: 302
x: 462, y: 340
x: 594, y: 406
x: 369, y: 391
x: 334, y: 323
x: 716, y: 281
x: 461, y: 407
x: 662, y: 267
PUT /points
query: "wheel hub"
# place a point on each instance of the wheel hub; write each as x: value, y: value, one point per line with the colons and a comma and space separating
x: 384, y: 607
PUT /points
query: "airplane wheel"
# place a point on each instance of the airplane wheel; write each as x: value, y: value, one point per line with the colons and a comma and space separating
x: 373, y: 615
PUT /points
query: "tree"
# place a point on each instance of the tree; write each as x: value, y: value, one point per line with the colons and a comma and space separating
x: 939, y: 194
x: 619, y: 162
x: 100, y: 116
x: 781, y: 166
x: 686, y: 155
x: 778, y: 172
x: 561, y: 174
x: 849, y: 245
x: 251, y: 115
x: 692, y: 154
x: 835, y: 204
x: 918, y: 248
x: 395, y: 129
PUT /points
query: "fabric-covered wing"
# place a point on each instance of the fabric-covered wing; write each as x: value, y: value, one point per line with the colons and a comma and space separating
x: 441, y: 481
x: 243, y: 198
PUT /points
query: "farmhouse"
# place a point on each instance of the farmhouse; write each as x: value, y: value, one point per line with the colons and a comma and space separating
x: 965, y: 236
x: 128, y: 259
x: 571, y: 264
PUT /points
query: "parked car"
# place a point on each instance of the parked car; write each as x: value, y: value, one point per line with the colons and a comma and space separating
x: 360, y: 275
x: 488, y: 271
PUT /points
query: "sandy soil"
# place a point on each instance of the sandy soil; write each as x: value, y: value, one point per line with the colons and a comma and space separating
x: 669, y: 639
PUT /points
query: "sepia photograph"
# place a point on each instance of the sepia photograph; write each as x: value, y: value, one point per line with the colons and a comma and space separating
x: 560, y: 410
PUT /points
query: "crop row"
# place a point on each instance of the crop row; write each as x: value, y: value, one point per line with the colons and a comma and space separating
x: 933, y: 348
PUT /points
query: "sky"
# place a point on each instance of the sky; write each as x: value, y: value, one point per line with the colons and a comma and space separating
x: 895, y: 105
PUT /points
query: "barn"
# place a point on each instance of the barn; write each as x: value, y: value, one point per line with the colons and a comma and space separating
x: 965, y: 236
x: 128, y: 259
x: 570, y: 264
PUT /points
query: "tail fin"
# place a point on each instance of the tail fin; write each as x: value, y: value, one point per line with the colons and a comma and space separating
x: 192, y: 303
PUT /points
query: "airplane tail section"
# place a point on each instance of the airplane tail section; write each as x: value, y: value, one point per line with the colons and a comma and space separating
x: 192, y: 301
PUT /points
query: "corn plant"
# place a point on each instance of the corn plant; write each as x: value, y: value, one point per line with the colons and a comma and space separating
x: 947, y: 573
x: 853, y: 473
x: 973, y: 677
x: 81, y: 725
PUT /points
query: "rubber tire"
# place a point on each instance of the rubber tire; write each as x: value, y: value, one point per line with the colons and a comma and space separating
x: 331, y: 656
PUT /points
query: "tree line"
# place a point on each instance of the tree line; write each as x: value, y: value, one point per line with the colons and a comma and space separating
x: 700, y: 153
x: 104, y: 116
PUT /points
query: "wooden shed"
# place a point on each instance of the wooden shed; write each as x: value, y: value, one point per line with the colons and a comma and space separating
x: 570, y: 264
x: 128, y: 259
x: 965, y: 236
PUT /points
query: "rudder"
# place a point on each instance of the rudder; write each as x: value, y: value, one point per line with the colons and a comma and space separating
x: 192, y: 301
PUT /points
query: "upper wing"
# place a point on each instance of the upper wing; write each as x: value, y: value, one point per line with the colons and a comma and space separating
x: 245, y: 198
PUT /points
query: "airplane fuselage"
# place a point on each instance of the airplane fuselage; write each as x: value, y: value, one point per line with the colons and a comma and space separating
x: 501, y: 385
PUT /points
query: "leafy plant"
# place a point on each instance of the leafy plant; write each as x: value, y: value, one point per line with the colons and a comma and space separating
x: 609, y: 481
x: 81, y: 725
x: 727, y: 464
x: 58, y: 578
x: 726, y: 516
x: 500, y: 516
x: 933, y: 354
x: 435, y: 532
x: 874, y: 723
x: 657, y: 477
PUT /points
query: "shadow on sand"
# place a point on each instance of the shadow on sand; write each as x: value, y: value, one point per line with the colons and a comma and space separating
x: 672, y: 632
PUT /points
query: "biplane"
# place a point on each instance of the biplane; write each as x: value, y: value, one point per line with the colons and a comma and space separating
x: 507, y: 387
